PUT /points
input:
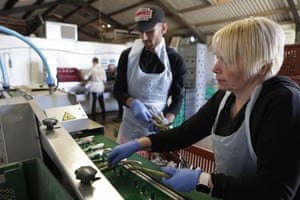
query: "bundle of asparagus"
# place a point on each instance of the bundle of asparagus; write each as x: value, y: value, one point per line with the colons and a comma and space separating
x: 158, y: 121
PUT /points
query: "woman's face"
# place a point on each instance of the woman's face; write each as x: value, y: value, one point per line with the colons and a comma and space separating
x: 227, y: 79
x: 153, y: 38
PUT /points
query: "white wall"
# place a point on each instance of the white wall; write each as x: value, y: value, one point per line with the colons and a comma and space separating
x: 27, y: 67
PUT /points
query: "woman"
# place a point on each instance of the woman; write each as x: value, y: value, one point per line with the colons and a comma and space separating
x: 253, y: 119
x: 97, y: 77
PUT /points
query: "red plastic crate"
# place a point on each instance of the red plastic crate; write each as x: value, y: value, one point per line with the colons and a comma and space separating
x: 296, y: 79
x: 199, y: 157
x: 194, y: 155
x: 291, y: 62
x: 68, y: 74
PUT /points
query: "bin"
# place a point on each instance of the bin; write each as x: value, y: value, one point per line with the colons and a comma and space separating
x: 195, y: 156
x: 291, y: 62
x: 30, y: 180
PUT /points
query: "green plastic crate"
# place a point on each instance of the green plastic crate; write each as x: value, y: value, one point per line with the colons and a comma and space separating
x: 179, y: 119
x: 30, y: 180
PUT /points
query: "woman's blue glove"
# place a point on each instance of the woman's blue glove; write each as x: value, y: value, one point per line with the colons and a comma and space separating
x: 123, y: 151
x: 153, y: 128
x: 140, y: 111
x: 183, y: 180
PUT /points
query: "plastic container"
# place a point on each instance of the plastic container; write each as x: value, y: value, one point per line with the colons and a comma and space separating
x: 291, y: 62
x: 30, y: 180
x: 179, y: 119
x: 199, y: 157
x: 296, y: 79
x: 195, y: 156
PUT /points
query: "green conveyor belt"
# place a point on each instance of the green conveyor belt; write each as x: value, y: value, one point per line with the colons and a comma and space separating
x: 131, y: 186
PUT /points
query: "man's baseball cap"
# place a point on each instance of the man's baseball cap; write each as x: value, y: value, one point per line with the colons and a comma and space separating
x: 146, y: 18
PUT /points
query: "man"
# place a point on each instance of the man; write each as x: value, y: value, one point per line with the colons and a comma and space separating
x: 111, y: 72
x: 149, y: 73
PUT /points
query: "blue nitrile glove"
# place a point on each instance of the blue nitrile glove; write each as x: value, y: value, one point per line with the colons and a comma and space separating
x: 123, y: 151
x: 153, y: 128
x: 140, y: 111
x: 183, y: 180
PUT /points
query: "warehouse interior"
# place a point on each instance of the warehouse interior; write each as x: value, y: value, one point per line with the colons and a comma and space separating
x: 46, y: 130
x: 103, y: 21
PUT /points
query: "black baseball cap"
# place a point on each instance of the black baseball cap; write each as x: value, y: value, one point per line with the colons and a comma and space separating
x: 146, y: 18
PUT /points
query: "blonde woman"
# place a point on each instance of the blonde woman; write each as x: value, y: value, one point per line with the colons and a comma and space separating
x: 254, y: 120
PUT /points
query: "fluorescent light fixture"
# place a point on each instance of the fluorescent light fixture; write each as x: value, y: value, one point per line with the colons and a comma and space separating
x: 26, y: 1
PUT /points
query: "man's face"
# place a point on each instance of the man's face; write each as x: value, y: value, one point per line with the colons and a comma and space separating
x: 153, y: 37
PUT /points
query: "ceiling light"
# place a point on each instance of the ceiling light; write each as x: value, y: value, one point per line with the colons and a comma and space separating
x: 215, y: 2
x: 222, y: 1
x: 192, y: 39
x: 26, y: 1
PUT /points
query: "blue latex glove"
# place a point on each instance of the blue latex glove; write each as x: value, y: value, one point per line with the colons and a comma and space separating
x: 123, y: 151
x: 153, y: 128
x: 140, y: 111
x: 183, y: 180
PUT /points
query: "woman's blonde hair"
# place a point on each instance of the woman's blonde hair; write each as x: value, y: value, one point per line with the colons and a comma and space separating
x: 256, y: 42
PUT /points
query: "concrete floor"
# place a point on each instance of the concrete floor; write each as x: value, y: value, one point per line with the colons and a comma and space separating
x: 110, y: 126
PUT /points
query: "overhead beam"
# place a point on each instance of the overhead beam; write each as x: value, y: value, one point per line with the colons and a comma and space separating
x: 198, y: 34
x: 104, y: 17
x: 195, y: 8
x: 215, y: 2
x: 9, y: 4
x: 22, y: 9
x: 26, y: 15
x: 125, y: 9
x: 294, y: 11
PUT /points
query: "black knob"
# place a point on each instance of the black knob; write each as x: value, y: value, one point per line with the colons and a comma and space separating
x: 86, y: 174
x: 50, y: 123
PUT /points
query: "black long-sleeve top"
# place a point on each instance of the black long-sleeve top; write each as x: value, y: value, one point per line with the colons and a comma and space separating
x: 275, y: 136
x: 150, y: 63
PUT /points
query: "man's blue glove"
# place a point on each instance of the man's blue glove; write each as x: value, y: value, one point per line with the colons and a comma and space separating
x: 183, y: 180
x: 153, y: 128
x: 123, y: 151
x: 140, y: 111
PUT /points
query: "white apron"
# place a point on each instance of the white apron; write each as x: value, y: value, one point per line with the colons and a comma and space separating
x: 234, y: 154
x: 150, y: 88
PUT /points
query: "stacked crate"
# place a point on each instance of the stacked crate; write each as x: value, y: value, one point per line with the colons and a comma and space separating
x: 30, y: 180
x: 179, y: 119
x: 291, y: 62
x: 195, y: 58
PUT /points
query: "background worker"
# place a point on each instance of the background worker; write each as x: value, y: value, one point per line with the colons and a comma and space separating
x: 97, y: 79
x: 111, y: 72
x: 253, y: 119
x: 148, y: 74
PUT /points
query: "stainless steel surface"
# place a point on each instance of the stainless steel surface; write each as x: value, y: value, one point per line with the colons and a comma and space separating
x: 19, y: 135
x: 68, y: 157
x: 45, y: 101
x: 72, y: 117
x: 22, y: 117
